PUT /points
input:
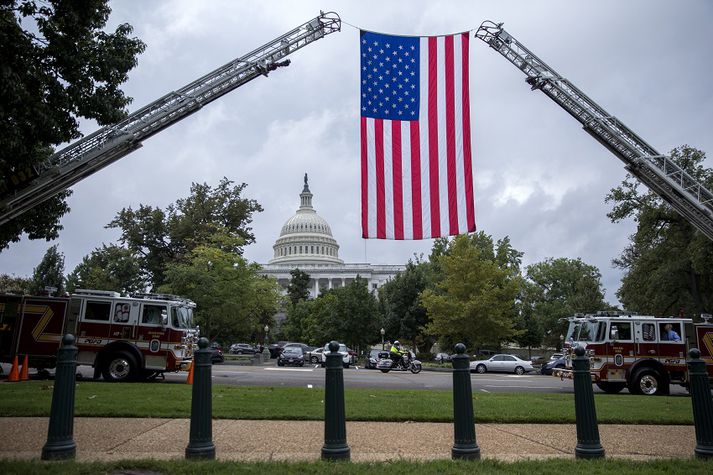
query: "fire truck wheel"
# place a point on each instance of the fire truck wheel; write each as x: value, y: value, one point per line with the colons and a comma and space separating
x: 610, y: 388
x: 119, y: 367
x: 648, y: 382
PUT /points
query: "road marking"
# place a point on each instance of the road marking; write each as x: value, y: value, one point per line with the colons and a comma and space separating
x: 518, y: 386
x: 289, y: 369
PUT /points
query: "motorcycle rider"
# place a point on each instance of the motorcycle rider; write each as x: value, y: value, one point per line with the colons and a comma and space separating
x: 396, y: 354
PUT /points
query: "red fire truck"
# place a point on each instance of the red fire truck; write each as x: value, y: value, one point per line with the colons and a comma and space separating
x: 642, y: 353
x: 123, y: 338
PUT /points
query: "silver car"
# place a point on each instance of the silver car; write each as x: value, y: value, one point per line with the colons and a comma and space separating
x: 501, y: 364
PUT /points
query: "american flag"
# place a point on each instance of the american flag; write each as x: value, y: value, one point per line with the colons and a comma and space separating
x: 416, y: 166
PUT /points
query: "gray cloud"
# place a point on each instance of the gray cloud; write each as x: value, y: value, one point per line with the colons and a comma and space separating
x: 540, y: 179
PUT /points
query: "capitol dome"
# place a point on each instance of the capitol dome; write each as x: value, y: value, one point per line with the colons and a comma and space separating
x: 306, y: 237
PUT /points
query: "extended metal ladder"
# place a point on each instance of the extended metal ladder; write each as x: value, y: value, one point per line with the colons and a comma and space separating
x: 679, y: 189
x: 109, y: 144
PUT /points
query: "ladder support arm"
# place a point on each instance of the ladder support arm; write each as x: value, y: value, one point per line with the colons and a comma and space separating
x: 107, y: 145
x: 664, y: 177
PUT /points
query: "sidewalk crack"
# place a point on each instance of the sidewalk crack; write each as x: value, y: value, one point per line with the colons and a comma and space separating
x: 532, y: 440
x: 164, y: 422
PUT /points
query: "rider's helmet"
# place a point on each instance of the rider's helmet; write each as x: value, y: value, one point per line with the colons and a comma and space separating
x: 397, y: 344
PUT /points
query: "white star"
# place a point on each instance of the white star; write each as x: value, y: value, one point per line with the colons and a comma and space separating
x: 363, y: 42
x: 401, y: 46
x: 369, y: 49
x: 388, y: 45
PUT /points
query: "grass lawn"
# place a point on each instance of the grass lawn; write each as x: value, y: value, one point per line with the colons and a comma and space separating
x: 99, y: 399
x: 441, y: 467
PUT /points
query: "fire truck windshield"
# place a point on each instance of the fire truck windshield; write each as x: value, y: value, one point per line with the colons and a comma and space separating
x: 182, y: 317
x: 586, y: 330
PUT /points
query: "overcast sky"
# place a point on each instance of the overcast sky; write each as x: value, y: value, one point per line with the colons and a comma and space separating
x: 540, y: 179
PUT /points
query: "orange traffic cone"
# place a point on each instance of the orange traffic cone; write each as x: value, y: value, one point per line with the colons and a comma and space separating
x: 14, y: 375
x: 190, y: 375
x: 24, y: 376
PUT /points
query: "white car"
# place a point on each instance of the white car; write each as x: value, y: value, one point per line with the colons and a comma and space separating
x: 502, y: 364
x: 315, y: 356
x: 346, y: 357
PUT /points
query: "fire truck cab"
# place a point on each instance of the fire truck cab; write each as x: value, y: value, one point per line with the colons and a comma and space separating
x: 123, y: 338
x: 645, y: 354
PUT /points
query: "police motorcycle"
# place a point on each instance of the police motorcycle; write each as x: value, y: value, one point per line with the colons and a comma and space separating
x: 408, y: 363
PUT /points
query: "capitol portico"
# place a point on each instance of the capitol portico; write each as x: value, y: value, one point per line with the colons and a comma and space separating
x: 306, y: 243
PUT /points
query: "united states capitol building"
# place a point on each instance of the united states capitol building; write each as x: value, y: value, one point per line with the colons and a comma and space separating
x: 306, y: 243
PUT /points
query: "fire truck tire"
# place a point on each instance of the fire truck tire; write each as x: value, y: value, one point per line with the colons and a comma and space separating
x: 648, y: 382
x: 610, y: 388
x: 120, y: 367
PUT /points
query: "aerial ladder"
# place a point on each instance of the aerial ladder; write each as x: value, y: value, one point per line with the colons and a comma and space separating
x: 664, y: 177
x: 107, y: 145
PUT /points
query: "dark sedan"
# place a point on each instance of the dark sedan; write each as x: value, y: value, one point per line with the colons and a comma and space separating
x: 552, y: 365
x: 291, y: 356
x: 373, y: 358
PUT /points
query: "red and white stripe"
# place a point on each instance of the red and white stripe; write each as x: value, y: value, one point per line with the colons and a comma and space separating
x: 417, y: 176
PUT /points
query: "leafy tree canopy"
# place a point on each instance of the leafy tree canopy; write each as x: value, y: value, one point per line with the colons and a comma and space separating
x: 557, y: 289
x: 219, y: 216
x: 108, y: 268
x: 11, y: 284
x: 232, y: 298
x: 58, y: 65
x: 49, y: 273
x: 404, y: 317
x: 298, y: 288
x: 668, y: 262
x: 474, y: 298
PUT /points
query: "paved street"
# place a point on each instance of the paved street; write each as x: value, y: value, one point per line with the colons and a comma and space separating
x: 270, y: 374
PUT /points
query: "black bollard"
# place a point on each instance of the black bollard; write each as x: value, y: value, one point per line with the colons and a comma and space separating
x: 60, y: 442
x: 200, y: 445
x: 335, y: 427
x: 464, y: 446
x: 588, y: 445
x: 702, y: 404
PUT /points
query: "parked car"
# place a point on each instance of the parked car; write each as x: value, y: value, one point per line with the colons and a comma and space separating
x: 373, y: 357
x: 503, y: 364
x: 291, y: 356
x: 346, y: 357
x: 217, y: 356
x: 552, y: 365
x: 242, y: 349
x: 303, y: 346
x: 556, y: 356
x: 442, y: 357
x: 537, y: 360
x: 314, y: 356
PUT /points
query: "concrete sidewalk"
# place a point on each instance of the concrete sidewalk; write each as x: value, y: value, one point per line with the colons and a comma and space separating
x: 117, y: 439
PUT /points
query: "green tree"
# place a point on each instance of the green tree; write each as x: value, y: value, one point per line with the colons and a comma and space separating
x: 108, y: 268
x: 474, y: 298
x: 230, y: 295
x: 49, y: 273
x: 58, y: 65
x: 559, y: 288
x: 162, y: 237
x: 530, y: 331
x: 668, y: 262
x: 404, y: 317
x: 354, y: 316
x: 11, y: 284
x: 298, y: 288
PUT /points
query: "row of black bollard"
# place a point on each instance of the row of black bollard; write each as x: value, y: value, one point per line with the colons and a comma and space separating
x: 60, y: 443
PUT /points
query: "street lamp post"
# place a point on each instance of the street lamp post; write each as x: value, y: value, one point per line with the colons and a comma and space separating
x: 382, y: 331
x: 267, y: 329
